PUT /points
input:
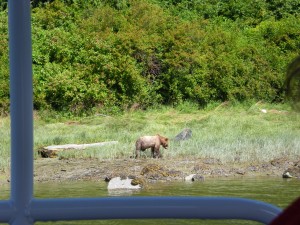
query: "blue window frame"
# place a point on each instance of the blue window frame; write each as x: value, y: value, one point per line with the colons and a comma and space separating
x: 22, y: 208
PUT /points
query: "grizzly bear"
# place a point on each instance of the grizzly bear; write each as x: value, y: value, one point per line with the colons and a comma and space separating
x: 153, y: 142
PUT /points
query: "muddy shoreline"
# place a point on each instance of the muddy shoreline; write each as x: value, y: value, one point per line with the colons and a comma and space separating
x: 60, y: 170
x: 54, y: 169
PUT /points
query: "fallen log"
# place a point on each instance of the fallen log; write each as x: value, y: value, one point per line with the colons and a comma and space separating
x: 52, y: 151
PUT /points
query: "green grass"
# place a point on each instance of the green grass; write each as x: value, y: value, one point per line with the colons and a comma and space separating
x: 4, y: 144
x: 226, y: 132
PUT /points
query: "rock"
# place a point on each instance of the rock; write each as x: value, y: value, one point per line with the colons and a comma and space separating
x: 184, y: 135
x: 240, y: 172
x: 293, y: 171
x: 198, y: 178
x: 189, y: 177
x: 44, y: 153
x: 286, y: 175
x: 157, y: 172
x: 107, y: 178
x: 118, y: 183
x: 194, y: 177
x: 139, y: 181
x: 154, y: 169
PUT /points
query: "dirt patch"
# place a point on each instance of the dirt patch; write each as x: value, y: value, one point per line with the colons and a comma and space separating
x: 58, y: 170
x: 150, y: 169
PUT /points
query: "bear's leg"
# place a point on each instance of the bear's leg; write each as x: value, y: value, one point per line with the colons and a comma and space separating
x: 156, y: 153
x: 137, y: 153
x: 159, y: 154
x: 152, y: 152
x: 138, y: 148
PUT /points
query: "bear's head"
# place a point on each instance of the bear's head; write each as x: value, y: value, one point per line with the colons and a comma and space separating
x: 164, y: 141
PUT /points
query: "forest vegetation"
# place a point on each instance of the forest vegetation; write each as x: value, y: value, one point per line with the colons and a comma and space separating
x: 107, y: 56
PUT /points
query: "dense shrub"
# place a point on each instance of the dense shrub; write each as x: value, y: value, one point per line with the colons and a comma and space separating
x: 99, y: 54
x: 4, y: 72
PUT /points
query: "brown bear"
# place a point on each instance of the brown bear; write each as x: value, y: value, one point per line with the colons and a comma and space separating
x: 153, y: 142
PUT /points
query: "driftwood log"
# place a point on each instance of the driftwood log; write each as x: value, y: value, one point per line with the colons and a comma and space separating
x: 52, y: 151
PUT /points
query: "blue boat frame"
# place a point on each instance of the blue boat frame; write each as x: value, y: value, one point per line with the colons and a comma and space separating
x: 23, y: 209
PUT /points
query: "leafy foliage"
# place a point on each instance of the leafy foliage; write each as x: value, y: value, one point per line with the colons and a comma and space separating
x: 293, y: 82
x: 101, y: 55
x: 4, y: 74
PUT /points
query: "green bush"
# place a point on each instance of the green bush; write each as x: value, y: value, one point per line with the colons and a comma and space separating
x: 99, y: 55
x: 4, y: 67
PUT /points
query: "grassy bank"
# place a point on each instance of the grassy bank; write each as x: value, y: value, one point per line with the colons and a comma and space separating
x: 240, y: 133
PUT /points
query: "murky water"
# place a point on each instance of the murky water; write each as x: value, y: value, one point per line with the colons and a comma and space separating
x: 277, y: 191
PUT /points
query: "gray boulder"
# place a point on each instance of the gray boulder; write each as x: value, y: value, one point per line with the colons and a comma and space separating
x: 185, y: 134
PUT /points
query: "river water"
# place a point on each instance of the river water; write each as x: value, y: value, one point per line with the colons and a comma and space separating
x: 276, y: 191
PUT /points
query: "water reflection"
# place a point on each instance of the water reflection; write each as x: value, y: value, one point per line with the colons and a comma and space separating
x: 122, y: 192
x: 277, y: 191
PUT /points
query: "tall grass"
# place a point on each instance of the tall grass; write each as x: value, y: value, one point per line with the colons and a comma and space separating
x: 4, y: 144
x: 229, y: 133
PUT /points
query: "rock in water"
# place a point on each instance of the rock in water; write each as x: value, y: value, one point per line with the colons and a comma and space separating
x: 189, y: 177
x: 194, y: 177
x: 118, y: 183
x: 184, y: 135
x: 286, y: 175
x: 293, y: 171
